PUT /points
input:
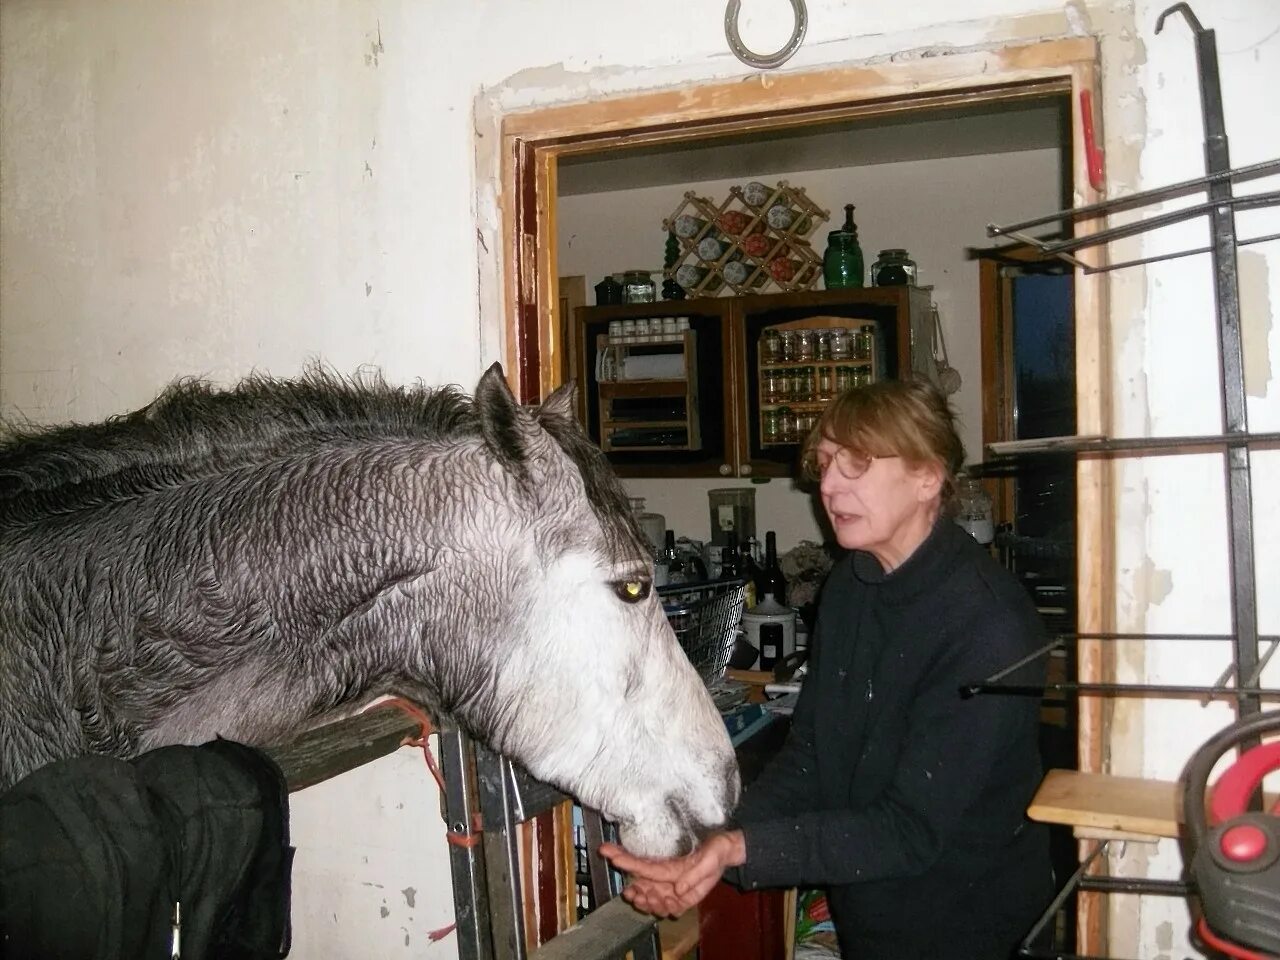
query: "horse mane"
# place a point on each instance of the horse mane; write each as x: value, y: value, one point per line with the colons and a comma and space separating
x: 195, y: 428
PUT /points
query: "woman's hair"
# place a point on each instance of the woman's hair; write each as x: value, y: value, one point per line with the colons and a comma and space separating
x: 893, y: 418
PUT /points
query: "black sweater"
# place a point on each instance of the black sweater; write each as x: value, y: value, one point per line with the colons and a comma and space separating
x: 903, y: 798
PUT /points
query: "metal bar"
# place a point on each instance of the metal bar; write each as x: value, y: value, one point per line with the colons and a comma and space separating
x: 1268, y: 638
x: 502, y: 855
x: 1142, y: 886
x: 1118, y: 689
x: 1122, y: 445
x: 597, y: 866
x: 1214, y: 208
x: 1143, y: 198
x: 1082, y: 880
x: 1089, y: 268
x: 470, y: 891
x: 1034, y: 655
x: 1026, y: 948
x: 1226, y: 290
x: 1272, y: 646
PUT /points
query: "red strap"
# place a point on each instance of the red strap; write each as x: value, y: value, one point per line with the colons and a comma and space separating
x: 425, y: 730
x: 1234, y: 788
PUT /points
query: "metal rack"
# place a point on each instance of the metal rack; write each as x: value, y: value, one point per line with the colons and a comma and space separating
x: 1241, y: 682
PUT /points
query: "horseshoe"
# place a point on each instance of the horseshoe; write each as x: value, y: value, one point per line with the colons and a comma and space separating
x: 764, y: 61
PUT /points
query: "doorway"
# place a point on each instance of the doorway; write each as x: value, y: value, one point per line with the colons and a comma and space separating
x: 535, y: 142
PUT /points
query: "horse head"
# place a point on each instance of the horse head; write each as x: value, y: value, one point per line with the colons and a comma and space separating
x: 246, y: 563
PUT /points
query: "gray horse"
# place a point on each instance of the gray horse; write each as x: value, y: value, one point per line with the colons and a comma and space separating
x: 248, y: 563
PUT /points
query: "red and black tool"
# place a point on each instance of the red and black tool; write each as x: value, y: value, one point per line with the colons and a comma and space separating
x: 1234, y: 852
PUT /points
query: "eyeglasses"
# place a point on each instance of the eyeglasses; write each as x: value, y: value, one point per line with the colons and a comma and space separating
x: 850, y: 463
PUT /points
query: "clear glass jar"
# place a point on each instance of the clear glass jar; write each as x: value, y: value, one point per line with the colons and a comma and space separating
x: 822, y: 345
x: 839, y: 343
x: 865, y: 343
x: 771, y: 421
x: 785, y: 381
x: 803, y: 387
x: 893, y: 268
x: 638, y: 287
x: 770, y: 346
x: 769, y: 383
x: 806, y: 346
x: 845, y: 378
x: 787, y: 352
x: 826, y: 384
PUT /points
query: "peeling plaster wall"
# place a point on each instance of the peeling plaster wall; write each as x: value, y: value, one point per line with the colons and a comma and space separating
x: 215, y: 188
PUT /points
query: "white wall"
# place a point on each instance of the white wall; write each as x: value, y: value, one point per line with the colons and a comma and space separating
x: 935, y: 208
x: 193, y: 187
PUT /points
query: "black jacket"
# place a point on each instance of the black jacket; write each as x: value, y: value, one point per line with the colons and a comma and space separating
x: 902, y: 797
x: 94, y: 853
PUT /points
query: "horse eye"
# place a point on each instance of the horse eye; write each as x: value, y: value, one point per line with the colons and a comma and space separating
x: 631, y: 591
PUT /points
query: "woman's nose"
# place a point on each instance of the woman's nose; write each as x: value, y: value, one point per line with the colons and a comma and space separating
x: 829, y: 477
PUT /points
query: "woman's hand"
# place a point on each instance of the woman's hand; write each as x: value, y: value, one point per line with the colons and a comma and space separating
x: 670, y: 886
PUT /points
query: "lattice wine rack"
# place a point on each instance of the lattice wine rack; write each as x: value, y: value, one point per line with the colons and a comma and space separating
x: 755, y: 241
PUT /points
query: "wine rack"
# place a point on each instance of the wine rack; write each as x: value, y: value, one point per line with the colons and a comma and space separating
x: 754, y: 241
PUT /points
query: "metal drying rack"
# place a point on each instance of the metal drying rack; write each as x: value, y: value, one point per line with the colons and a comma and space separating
x: 1241, y: 682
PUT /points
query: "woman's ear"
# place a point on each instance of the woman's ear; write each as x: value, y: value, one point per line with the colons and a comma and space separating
x: 930, y: 478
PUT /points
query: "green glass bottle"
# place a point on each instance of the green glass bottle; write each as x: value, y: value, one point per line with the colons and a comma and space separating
x: 842, y: 265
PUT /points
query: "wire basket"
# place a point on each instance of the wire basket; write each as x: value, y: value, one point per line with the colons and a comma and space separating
x: 705, y: 618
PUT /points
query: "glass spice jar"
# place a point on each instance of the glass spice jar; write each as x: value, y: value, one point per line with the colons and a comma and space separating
x: 769, y: 382
x: 822, y: 346
x: 787, y: 352
x: 770, y: 421
x: 784, y: 385
x: 803, y: 387
x: 770, y: 346
x: 805, y: 346
x: 839, y: 343
x: 826, y: 382
x: 866, y: 338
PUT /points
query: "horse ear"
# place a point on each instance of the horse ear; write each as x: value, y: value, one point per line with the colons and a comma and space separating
x: 561, y: 404
x: 500, y: 422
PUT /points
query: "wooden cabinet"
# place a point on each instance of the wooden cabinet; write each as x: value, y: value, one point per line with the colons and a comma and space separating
x: 693, y: 388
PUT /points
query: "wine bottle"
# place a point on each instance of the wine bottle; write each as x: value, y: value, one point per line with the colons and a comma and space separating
x: 749, y: 570
x: 676, y: 572
x: 770, y: 644
x: 729, y: 562
x: 770, y: 579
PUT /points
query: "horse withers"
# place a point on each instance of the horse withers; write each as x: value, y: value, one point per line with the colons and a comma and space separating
x: 251, y: 562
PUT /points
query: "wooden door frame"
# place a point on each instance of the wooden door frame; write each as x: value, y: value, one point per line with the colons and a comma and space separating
x: 995, y: 314
x: 524, y: 169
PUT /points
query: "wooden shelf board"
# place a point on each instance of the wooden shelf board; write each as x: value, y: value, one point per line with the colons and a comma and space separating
x: 631, y: 389
x: 1099, y: 801
x: 679, y: 936
x: 668, y: 448
x: 795, y: 364
x: 642, y: 424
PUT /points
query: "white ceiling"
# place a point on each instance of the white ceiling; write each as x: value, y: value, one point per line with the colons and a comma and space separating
x: 1033, y: 125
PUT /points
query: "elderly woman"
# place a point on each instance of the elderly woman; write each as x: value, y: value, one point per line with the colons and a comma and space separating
x: 904, y: 799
